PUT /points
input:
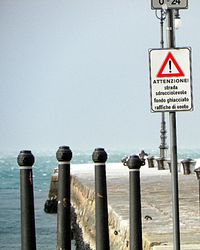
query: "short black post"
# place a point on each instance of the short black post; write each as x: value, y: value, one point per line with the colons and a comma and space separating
x: 186, y: 166
x: 25, y: 161
x: 150, y: 161
x: 134, y: 163
x: 99, y: 157
x: 197, y: 171
x: 160, y: 162
x: 64, y: 156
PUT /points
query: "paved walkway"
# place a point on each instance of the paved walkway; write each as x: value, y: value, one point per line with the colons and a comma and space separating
x: 156, y: 197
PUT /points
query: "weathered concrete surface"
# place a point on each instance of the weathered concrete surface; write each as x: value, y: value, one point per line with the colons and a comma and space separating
x: 156, y: 203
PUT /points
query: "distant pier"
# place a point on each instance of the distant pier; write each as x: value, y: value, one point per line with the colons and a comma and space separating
x: 157, y: 224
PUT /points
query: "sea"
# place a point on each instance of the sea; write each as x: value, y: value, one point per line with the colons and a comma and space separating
x: 46, y: 224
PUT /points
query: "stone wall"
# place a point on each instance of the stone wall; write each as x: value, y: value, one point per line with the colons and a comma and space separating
x: 83, y: 201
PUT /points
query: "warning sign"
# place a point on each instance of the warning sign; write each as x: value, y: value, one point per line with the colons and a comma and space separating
x: 170, y: 80
x: 170, y: 67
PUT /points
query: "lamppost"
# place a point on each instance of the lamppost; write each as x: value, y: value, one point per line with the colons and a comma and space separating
x: 163, y: 145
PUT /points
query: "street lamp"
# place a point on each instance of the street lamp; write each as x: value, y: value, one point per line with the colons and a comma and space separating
x: 163, y: 145
x: 178, y: 22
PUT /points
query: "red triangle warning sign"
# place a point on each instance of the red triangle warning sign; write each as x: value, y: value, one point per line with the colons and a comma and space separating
x: 170, y: 68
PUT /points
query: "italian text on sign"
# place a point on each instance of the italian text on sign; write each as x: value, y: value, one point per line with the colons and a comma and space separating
x: 170, y: 80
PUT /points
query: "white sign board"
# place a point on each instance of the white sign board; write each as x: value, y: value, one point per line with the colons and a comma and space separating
x: 169, y: 4
x: 170, y: 80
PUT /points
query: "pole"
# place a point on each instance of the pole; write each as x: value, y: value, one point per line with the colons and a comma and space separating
x: 64, y: 156
x: 25, y: 161
x: 173, y: 147
x: 163, y: 146
x: 134, y: 163
x: 99, y: 157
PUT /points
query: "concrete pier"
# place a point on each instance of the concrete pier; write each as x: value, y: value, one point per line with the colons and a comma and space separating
x: 156, y: 199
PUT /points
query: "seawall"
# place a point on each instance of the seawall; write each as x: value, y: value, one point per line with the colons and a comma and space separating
x: 83, y: 201
x: 156, y: 207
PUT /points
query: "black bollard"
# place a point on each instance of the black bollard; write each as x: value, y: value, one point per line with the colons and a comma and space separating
x: 197, y: 171
x: 187, y: 166
x: 25, y: 161
x: 99, y: 157
x: 161, y: 163
x: 64, y: 156
x: 134, y: 163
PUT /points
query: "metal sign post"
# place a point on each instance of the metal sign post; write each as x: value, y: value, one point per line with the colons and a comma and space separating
x: 170, y: 74
x: 173, y: 148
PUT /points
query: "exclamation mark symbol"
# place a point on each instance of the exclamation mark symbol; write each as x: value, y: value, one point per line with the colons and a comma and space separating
x: 170, y: 66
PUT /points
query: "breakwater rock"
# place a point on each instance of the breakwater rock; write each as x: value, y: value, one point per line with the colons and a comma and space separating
x: 50, y: 205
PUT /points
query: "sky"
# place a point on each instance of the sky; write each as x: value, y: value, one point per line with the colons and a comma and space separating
x: 76, y: 73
